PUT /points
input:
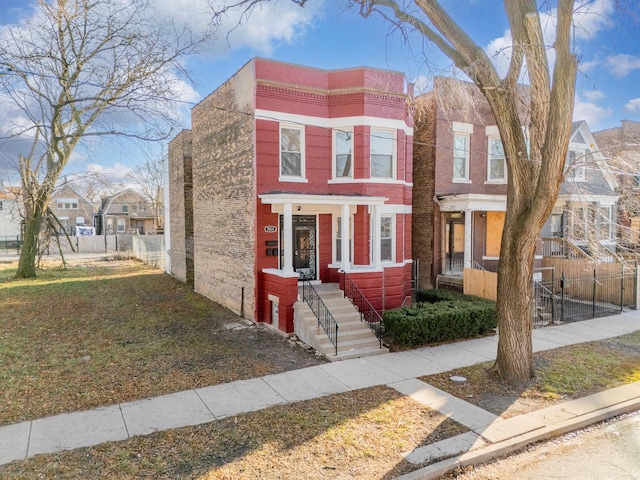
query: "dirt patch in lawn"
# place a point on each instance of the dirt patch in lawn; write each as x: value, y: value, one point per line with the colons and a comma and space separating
x: 361, y: 434
x: 562, y: 374
x: 104, y: 332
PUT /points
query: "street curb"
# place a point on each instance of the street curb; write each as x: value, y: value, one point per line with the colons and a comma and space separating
x: 514, y: 444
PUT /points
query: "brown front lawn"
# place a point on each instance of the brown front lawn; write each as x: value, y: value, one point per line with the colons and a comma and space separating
x: 106, y: 332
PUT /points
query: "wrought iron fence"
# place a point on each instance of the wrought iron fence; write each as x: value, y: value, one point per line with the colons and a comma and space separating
x: 322, y: 313
x: 10, y: 244
x: 560, y: 298
x: 454, y: 266
x: 367, y: 312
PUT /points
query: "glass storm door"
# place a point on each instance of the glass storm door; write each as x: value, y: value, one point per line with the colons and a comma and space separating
x: 304, y: 246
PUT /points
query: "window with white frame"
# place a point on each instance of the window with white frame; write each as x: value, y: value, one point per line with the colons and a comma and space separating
x: 382, y: 146
x: 121, y: 225
x: 461, y: 156
x: 291, y: 152
x: 576, y: 163
x: 386, y: 238
x: 338, y: 240
x: 497, y: 167
x: 604, y: 222
x: 343, y: 153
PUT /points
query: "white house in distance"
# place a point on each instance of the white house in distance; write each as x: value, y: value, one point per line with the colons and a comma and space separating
x: 10, y: 221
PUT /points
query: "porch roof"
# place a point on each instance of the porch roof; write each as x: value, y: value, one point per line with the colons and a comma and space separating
x: 472, y: 202
x: 278, y: 198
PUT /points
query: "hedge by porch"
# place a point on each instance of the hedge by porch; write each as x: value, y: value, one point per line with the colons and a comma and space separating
x: 440, y: 316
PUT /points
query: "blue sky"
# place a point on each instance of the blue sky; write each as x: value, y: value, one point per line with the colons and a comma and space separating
x: 326, y: 34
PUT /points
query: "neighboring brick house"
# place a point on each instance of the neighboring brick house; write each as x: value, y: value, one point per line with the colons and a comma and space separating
x: 10, y: 218
x: 285, y: 161
x: 621, y: 146
x: 71, y: 208
x: 126, y: 212
x: 460, y: 185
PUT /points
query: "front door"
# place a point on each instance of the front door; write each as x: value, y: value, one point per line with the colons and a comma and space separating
x: 304, y: 246
x: 454, y: 246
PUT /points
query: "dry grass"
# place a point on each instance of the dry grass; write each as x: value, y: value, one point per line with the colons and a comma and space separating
x: 561, y: 374
x: 361, y: 434
x: 103, y: 333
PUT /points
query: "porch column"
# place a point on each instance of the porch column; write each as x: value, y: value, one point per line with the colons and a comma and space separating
x: 288, y: 237
x: 468, y: 238
x: 344, y: 240
x: 375, y: 237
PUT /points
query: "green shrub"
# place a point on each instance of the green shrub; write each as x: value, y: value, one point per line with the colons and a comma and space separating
x: 440, y: 319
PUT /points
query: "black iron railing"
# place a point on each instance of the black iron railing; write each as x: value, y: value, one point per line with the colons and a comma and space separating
x: 322, y: 313
x: 571, y: 298
x: 367, y: 312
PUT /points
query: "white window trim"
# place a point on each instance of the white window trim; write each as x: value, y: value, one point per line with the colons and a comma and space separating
x: 464, y: 179
x: 491, y: 180
x: 608, y: 220
x: 334, y: 236
x: 394, y: 152
x: 334, y: 152
x: 579, y: 165
x: 303, y: 171
x: 393, y: 238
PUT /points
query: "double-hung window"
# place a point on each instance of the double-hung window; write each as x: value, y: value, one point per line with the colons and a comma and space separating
x: 497, y: 167
x: 461, y: 157
x: 382, y: 146
x: 604, y: 222
x: 291, y: 153
x: 339, y: 239
x: 343, y: 153
x: 386, y: 238
x: 576, y: 163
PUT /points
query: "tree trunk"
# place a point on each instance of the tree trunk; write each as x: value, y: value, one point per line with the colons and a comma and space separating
x: 514, y: 360
x: 29, y: 251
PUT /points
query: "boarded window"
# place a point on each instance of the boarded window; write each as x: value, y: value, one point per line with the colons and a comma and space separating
x: 495, y: 224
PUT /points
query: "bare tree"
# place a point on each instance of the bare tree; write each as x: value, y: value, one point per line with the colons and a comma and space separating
x: 85, y: 68
x: 535, y: 171
x: 150, y: 179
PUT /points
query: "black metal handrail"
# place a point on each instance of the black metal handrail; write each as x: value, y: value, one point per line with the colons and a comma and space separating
x: 322, y: 313
x: 367, y: 312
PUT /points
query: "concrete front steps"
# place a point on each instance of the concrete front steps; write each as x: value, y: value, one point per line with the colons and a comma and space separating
x: 355, y: 338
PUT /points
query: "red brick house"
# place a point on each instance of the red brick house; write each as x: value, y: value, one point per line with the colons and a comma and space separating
x: 459, y: 197
x: 293, y: 173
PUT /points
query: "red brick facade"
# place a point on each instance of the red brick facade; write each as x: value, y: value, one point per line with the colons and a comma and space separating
x: 267, y: 200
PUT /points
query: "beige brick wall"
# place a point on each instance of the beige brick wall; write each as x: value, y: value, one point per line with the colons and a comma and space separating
x: 180, y: 183
x: 224, y: 194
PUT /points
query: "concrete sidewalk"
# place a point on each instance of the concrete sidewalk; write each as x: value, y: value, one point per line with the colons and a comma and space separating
x: 489, y: 435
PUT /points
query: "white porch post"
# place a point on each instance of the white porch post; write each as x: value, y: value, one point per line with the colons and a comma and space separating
x: 344, y: 239
x: 288, y: 237
x: 375, y: 237
x: 468, y: 239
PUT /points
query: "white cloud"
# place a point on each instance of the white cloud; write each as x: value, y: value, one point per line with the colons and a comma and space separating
x: 633, y: 106
x: 262, y: 29
x: 499, y: 51
x: 593, y: 95
x: 590, y: 112
x: 591, y: 17
x: 622, y: 64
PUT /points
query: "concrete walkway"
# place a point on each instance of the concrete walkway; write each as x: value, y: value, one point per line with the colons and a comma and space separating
x: 489, y: 435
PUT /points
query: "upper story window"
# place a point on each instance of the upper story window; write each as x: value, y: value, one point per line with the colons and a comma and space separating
x: 461, y: 157
x: 291, y: 153
x: 382, y: 146
x: 576, y: 162
x: 67, y: 204
x: 497, y: 167
x: 125, y: 208
x: 343, y: 153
